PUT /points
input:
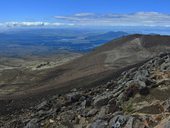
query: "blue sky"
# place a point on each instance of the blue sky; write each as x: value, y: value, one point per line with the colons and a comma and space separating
x: 85, y: 12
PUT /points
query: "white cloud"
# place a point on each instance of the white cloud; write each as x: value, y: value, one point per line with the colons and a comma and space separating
x: 84, y: 14
x: 132, y: 19
x: 33, y: 24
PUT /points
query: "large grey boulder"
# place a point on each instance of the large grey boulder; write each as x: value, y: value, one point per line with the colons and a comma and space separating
x: 118, y: 121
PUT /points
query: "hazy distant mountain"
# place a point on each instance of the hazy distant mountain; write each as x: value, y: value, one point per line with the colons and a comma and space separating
x: 107, y: 36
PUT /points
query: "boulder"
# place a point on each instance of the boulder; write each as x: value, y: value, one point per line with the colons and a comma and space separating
x: 130, y: 122
x: 118, y: 121
x: 98, y: 124
x: 137, y: 123
x: 166, y: 105
x: 141, y: 75
x: 92, y: 112
x: 33, y: 123
x: 100, y: 101
x: 73, y: 97
x: 43, y: 106
x: 86, y: 103
x: 67, y: 116
x: 144, y: 91
x: 112, y: 105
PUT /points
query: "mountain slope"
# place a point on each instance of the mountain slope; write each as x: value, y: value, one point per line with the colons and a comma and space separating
x: 115, y: 55
x: 139, y: 98
x: 96, y: 67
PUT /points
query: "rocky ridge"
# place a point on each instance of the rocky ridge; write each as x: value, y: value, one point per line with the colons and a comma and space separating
x: 139, y: 98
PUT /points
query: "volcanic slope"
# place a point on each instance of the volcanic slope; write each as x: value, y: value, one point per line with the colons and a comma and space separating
x: 110, y: 58
x: 103, y: 63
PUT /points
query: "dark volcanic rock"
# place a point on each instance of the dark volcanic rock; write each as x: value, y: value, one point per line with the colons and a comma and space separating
x: 43, y: 106
x: 144, y: 91
x: 73, y: 97
x: 100, y: 101
x: 98, y: 124
x: 32, y: 124
x: 118, y: 121
x: 166, y: 105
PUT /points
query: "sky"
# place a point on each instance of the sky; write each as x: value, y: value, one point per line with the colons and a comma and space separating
x: 18, y: 13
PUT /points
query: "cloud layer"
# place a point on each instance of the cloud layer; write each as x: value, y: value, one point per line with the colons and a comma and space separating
x: 92, y: 19
x: 33, y: 24
x: 132, y: 19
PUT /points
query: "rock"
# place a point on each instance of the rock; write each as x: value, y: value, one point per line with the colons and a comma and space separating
x: 82, y: 120
x: 61, y: 126
x: 141, y: 84
x: 98, y: 124
x: 92, y: 112
x: 109, y: 84
x: 67, y: 116
x: 101, y: 100
x: 166, y: 105
x: 129, y: 123
x: 165, y: 123
x: 139, y: 124
x: 165, y: 81
x: 101, y: 114
x: 141, y: 75
x: 86, y: 103
x: 144, y: 91
x: 130, y: 92
x: 150, y: 83
x: 82, y: 98
x: 165, y: 67
x: 43, y: 106
x: 43, y: 114
x: 74, y: 90
x: 118, y: 121
x: 134, y: 122
x: 51, y: 121
x: 112, y: 105
x: 83, y: 104
x: 32, y: 124
x: 73, y: 97
x: 160, y: 61
x: 162, y: 54
x: 112, y: 101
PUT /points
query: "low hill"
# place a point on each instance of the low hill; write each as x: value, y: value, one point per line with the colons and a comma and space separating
x: 106, y: 36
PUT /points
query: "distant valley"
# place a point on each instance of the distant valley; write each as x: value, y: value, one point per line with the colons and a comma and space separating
x: 28, y: 55
x: 45, y: 42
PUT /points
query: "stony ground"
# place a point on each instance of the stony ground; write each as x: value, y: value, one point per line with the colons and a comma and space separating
x: 139, y: 98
